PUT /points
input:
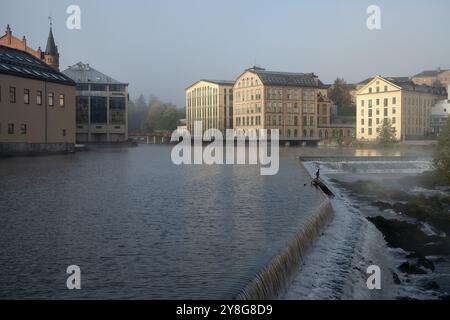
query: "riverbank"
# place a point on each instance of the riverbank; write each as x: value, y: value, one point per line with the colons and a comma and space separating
x: 371, y: 228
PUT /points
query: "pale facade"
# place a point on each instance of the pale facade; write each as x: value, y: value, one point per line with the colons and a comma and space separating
x: 101, y: 105
x: 211, y: 102
x: 405, y: 105
x: 279, y: 100
x: 440, y: 114
x: 430, y: 77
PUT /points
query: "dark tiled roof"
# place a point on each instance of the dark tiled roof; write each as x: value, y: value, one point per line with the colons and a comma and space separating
x: 287, y: 78
x: 84, y: 73
x: 407, y: 84
x: 22, y: 64
x: 430, y: 73
x: 220, y: 82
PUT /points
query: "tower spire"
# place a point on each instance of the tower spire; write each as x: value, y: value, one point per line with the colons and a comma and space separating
x: 51, y: 53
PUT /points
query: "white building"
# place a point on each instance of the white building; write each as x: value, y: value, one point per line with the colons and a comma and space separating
x: 440, y: 113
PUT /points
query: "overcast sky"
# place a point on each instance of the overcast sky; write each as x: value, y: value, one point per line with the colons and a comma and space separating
x: 161, y: 47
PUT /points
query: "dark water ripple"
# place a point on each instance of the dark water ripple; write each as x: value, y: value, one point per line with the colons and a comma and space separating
x: 140, y: 227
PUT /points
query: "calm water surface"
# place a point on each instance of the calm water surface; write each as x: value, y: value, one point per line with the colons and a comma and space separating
x: 141, y: 227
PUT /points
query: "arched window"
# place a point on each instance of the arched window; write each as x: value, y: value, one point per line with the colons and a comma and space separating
x: 326, y: 134
x: 304, y: 133
x: 311, y: 133
x: 289, y: 133
x: 295, y: 133
x: 320, y: 134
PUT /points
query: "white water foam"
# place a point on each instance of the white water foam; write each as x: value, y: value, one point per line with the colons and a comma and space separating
x: 336, y: 267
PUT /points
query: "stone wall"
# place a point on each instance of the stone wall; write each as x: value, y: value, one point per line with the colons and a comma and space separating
x: 8, y: 149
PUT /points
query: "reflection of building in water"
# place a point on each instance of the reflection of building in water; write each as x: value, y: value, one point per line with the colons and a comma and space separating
x: 101, y: 105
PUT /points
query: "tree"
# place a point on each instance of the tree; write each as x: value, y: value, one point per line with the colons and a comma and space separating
x: 137, y: 114
x: 437, y: 84
x: 386, y: 133
x: 441, y: 162
x: 339, y: 93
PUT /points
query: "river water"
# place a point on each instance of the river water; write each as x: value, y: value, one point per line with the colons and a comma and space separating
x: 140, y: 227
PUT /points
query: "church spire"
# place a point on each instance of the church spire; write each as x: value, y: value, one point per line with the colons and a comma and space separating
x: 51, y: 53
x: 51, y: 46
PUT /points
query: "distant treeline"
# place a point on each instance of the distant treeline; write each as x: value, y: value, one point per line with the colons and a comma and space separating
x: 152, y: 115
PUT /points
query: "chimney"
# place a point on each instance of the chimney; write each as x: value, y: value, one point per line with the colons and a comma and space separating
x: 24, y: 41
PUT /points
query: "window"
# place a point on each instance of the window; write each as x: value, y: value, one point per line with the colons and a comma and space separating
x: 370, y: 113
x: 394, y: 100
x: 98, y: 87
x: 117, y: 87
x: 370, y: 131
x: 82, y: 87
x: 362, y: 122
x: 385, y: 112
x: 23, y: 129
x: 385, y: 102
x: 362, y: 103
x: 378, y: 102
x: 370, y: 122
x: 10, y: 128
x: 39, y: 98
x: 393, y: 120
x: 98, y: 110
x: 62, y: 101
x: 385, y: 88
x: 370, y: 90
x: 51, y: 99
x: 64, y: 132
x: 362, y: 130
x: 26, y: 96
x: 370, y: 103
x: 378, y: 89
x: 12, y: 94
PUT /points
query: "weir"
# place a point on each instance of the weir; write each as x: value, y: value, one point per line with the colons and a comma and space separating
x: 275, y: 278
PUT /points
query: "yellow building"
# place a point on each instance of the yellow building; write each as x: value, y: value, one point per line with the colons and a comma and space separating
x: 211, y: 102
x: 280, y: 100
x: 406, y: 105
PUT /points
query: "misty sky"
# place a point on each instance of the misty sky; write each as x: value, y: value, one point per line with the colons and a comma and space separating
x: 161, y: 47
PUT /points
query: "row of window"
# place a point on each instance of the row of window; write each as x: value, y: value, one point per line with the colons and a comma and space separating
x: 370, y: 130
x: 23, y: 129
x: 39, y: 97
x: 377, y: 112
x: 377, y: 102
x: 276, y: 121
x: 377, y: 89
x: 277, y: 107
x: 394, y: 121
x: 101, y: 87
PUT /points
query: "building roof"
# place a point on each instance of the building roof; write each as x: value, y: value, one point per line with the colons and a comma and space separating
x: 51, y: 46
x: 405, y: 83
x: 84, y: 73
x: 220, y: 82
x: 22, y: 64
x: 430, y: 73
x: 278, y: 78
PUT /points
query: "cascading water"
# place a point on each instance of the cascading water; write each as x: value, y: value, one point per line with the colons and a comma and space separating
x: 276, y: 276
